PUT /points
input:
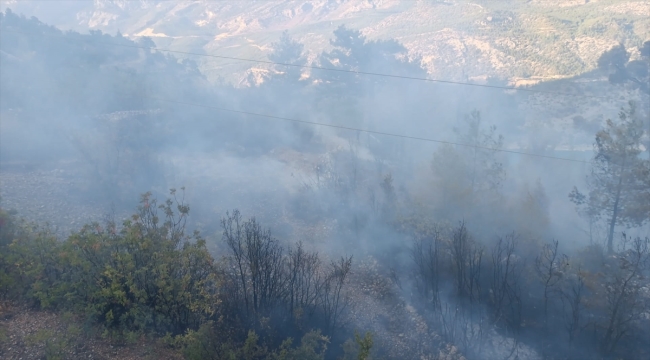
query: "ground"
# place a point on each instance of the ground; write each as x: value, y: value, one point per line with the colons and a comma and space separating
x: 30, y: 334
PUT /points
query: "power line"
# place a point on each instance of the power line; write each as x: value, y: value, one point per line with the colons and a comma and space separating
x: 330, y: 69
x: 367, y: 131
x: 346, y: 127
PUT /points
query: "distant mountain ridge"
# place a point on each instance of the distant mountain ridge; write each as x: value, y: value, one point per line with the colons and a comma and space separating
x: 524, y: 42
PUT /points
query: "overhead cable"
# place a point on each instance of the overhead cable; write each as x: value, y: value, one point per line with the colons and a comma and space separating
x: 358, y: 72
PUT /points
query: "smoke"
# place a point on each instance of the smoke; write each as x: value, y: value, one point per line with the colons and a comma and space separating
x: 123, y: 119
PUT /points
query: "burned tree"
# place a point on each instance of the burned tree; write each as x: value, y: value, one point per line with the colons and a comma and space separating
x: 505, y: 286
x: 550, y: 267
x: 467, y: 257
x: 624, y: 302
x: 305, y: 281
x: 258, y: 261
x: 573, y: 296
x: 334, y: 301
x: 426, y: 256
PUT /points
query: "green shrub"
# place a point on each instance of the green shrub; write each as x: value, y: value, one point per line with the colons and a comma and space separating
x: 148, y: 275
x: 359, y: 349
x: 29, y: 262
x: 205, y: 343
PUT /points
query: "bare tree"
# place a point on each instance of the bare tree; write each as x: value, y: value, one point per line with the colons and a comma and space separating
x: 625, y: 304
x: 467, y: 257
x: 464, y: 326
x: 550, y: 267
x: 266, y: 266
x: 426, y: 255
x: 305, y: 281
x: 259, y: 262
x: 233, y: 234
x: 505, y: 287
x: 265, y: 278
x: 572, y: 298
x: 333, y: 299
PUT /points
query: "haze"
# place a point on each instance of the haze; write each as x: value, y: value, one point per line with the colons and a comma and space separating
x: 350, y: 179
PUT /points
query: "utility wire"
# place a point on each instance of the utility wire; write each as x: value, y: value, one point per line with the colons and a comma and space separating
x: 330, y: 69
x: 340, y: 126
x: 367, y: 131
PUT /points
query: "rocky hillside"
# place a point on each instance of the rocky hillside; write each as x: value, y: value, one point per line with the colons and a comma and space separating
x: 522, y: 41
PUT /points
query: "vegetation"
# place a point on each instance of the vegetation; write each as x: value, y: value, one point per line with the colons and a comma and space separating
x: 617, y: 176
x: 616, y: 62
x: 147, y: 277
x: 460, y: 264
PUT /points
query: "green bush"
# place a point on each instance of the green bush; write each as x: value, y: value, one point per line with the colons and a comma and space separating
x: 205, y: 343
x: 29, y: 262
x: 148, y: 275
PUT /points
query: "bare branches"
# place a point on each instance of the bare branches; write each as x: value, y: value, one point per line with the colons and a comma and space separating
x: 259, y: 262
x: 467, y: 257
x: 426, y: 255
x: 466, y: 327
x: 305, y: 281
x: 333, y: 301
x: 622, y: 291
x: 550, y: 268
x: 267, y: 277
x: 505, y: 290
x: 572, y: 297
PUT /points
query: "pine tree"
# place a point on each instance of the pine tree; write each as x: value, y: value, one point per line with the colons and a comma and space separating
x: 617, y: 184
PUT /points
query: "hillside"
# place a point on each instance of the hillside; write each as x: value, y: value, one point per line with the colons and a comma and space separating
x: 522, y: 41
x: 333, y: 215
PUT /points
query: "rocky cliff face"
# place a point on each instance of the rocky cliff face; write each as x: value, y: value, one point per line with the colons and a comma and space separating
x: 522, y: 41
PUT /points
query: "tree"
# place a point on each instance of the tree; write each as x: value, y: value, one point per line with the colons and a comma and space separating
x: 614, y: 59
x: 466, y: 260
x: 616, y: 63
x: 486, y: 171
x: 426, y: 256
x: 505, y: 287
x: 288, y: 51
x: 616, y: 182
x: 573, y: 294
x: 344, y: 96
x: 623, y: 293
x: 469, y: 176
x: 334, y: 300
x: 550, y: 267
x: 358, y: 349
x: 259, y: 264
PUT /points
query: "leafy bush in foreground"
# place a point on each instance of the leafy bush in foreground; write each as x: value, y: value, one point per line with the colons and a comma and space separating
x: 149, y: 277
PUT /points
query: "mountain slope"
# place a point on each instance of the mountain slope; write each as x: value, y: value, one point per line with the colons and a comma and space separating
x: 523, y: 41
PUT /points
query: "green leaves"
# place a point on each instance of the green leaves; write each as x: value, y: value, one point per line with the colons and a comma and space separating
x: 618, y: 184
x: 147, y: 276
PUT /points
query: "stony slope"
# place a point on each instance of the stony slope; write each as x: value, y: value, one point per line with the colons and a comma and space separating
x: 520, y: 40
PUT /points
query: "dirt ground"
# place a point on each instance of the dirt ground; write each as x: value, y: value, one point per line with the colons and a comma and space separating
x: 50, y: 193
x: 29, y: 334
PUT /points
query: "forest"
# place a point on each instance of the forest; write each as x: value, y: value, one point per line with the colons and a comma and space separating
x: 299, y: 219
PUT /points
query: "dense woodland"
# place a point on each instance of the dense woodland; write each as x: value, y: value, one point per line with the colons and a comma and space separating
x: 468, y: 249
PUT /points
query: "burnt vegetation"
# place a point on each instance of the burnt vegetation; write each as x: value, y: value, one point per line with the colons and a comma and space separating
x: 362, y: 264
